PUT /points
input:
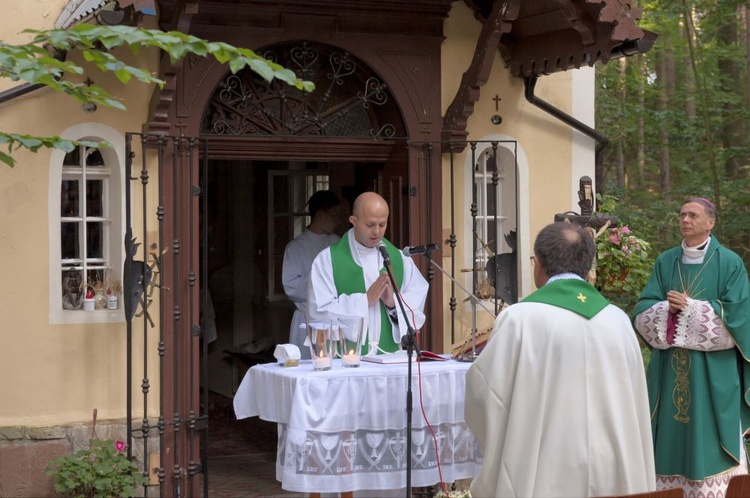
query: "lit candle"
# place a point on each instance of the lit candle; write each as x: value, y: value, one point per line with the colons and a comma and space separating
x: 322, y: 363
x: 351, y: 359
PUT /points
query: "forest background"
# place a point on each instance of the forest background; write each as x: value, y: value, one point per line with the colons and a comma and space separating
x: 678, y: 121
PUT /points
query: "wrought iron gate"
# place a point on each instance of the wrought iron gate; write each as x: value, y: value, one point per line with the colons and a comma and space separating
x: 164, y: 279
x: 163, y: 273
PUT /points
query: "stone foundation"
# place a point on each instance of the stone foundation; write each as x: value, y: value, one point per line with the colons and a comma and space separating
x: 26, y: 451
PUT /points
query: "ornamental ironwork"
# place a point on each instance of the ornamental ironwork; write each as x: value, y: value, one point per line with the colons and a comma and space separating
x: 349, y: 99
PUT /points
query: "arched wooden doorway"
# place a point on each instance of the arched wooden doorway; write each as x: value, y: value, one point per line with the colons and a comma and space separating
x: 270, y: 147
x: 354, y: 135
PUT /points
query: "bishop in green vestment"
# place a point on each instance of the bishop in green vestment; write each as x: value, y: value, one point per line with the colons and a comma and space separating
x: 695, y: 315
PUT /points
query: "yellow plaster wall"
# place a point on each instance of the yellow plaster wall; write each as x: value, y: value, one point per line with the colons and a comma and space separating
x: 27, y: 14
x: 546, y: 141
x: 55, y: 374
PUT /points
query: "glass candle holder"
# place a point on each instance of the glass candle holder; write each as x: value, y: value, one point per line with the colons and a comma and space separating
x: 321, y: 344
x: 351, y: 335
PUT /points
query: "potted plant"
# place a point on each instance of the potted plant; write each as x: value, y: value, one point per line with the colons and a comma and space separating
x: 101, y: 470
x: 623, y: 262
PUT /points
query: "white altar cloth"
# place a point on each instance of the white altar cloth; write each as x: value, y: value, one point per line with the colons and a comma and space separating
x: 344, y: 429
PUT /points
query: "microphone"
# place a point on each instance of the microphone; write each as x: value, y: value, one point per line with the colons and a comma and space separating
x: 425, y: 249
x: 384, y: 252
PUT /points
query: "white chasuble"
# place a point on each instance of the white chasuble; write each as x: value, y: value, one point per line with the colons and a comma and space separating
x: 558, y: 404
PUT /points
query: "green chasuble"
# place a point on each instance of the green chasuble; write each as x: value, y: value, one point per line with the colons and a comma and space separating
x: 699, y: 399
x: 350, y: 279
x: 572, y: 294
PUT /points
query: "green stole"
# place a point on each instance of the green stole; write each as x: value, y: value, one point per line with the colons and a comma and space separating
x: 571, y: 294
x: 349, y: 278
x: 699, y: 399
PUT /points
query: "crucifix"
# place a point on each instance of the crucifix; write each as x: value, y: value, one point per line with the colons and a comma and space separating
x: 594, y: 223
x: 497, y: 100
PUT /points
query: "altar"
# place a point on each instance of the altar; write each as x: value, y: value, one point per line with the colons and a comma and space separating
x: 344, y: 429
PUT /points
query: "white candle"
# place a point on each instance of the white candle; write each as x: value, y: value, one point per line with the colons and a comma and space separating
x: 323, y: 363
x: 351, y: 359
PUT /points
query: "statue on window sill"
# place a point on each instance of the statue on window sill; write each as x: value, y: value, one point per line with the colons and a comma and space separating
x: 72, y: 289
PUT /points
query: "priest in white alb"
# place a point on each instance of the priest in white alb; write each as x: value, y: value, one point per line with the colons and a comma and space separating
x: 348, y: 279
x: 557, y: 399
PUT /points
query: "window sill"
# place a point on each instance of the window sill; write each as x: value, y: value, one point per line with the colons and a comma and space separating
x: 65, y: 317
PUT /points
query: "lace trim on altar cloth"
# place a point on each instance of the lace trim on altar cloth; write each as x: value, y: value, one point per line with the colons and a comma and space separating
x: 710, y: 487
x: 367, y: 451
x: 652, y: 324
x: 699, y: 328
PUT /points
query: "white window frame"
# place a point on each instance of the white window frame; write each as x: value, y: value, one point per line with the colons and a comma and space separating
x: 303, y: 184
x: 484, y: 147
x: 483, y: 183
x: 113, y: 218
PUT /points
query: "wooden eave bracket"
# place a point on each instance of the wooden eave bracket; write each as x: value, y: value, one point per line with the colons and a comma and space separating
x: 457, y: 114
x: 162, y: 98
x: 599, y: 27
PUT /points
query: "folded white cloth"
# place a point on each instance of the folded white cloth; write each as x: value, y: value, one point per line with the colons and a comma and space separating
x: 286, y: 351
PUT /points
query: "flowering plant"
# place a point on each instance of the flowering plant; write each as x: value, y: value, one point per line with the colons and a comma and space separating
x: 623, y: 263
x: 454, y: 494
x: 102, y: 470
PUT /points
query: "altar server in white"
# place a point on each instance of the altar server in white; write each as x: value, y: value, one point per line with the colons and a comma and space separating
x: 323, y: 207
x: 557, y: 400
x: 348, y: 279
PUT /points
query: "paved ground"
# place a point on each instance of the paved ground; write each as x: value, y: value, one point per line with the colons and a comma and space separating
x: 242, y: 455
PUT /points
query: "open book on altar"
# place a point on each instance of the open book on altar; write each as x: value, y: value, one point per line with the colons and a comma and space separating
x: 401, y: 357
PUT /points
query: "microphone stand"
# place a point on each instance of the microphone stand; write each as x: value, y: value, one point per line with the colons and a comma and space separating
x: 409, y: 342
x: 474, y: 302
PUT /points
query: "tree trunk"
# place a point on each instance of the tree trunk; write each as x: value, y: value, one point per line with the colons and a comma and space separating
x: 664, y: 64
x: 729, y: 72
x: 623, y: 66
x: 641, y: 131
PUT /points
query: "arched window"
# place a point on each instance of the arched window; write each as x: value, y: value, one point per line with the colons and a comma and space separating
x: 85, y: 217
x: 499, y: 180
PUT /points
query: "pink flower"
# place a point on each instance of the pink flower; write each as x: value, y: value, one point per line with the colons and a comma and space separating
x: 614, y: 239
x: 120, y: 445
x: 625, y: 229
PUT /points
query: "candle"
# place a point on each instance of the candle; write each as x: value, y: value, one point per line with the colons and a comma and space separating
x: 322, y: 363
x: 351, y: 359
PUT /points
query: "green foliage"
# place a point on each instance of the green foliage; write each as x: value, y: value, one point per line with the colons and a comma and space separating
x: 34, y: 63
x: 681, y: 109
x: 102, y: 471
x: 15, y: 141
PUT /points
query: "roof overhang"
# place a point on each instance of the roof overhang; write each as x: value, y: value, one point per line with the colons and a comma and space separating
x: 546, y: 36
x: 538, y: 37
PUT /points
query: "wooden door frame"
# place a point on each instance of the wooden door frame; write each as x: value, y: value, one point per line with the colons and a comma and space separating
x: 412, y: 74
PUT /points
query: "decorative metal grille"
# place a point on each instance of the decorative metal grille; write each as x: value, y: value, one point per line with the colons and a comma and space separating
x: 349, y: 100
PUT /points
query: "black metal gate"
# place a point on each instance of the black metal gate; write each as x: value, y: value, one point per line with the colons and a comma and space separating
x: 163, y: 272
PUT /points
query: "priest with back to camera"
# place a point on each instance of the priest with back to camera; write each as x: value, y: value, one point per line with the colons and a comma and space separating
x: 348, y: 279
x: 557, y: 399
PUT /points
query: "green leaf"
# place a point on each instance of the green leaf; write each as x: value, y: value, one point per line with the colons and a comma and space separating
x: 7, y: 159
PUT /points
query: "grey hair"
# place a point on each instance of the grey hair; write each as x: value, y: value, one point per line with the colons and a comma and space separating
x: 564, y: 248
x: 708, y: 206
